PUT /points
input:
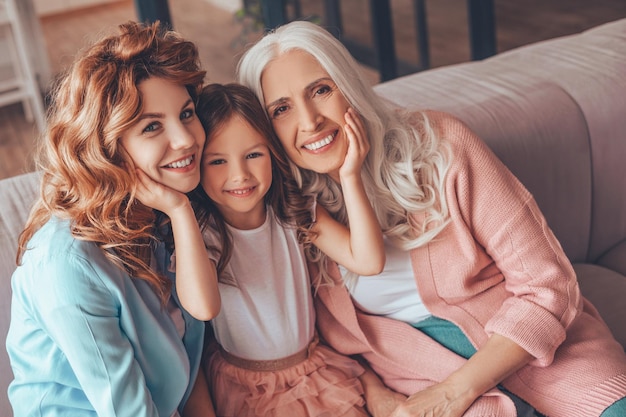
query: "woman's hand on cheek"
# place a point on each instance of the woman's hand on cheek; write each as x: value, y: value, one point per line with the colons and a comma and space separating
x: 157, y: 196
x: 358, y: 145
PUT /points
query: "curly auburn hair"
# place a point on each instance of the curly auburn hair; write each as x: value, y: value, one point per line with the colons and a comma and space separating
x: 84, y: 179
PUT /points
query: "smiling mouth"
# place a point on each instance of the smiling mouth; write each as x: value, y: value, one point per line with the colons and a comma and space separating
x: 320, y: 143
x: 181, y: 163
x: 241, y: 192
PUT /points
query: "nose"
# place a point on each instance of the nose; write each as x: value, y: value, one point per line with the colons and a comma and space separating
x: 182, y: 137
x: 239, y: 172
x: 310, y: 117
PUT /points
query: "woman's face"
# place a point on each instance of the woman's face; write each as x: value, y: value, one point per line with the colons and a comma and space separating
x: 307, y: 111
x: 166, y: 143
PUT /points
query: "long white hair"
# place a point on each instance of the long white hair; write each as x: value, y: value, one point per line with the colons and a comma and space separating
x: 405, y: 168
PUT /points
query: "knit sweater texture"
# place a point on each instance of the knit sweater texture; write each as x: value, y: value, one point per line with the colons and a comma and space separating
x: 495, y: 268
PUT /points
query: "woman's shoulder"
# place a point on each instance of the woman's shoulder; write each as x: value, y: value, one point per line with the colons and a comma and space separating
x: 466, y: 147
x: 446, y: 127
x: 55, y: 258
x: 449, y: 127
x: 55, y: 240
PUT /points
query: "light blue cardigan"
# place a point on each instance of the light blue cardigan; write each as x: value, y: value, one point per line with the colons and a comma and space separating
x: 86, y: 339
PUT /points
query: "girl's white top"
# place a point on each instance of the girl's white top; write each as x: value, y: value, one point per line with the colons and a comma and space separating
x: 267, y: 307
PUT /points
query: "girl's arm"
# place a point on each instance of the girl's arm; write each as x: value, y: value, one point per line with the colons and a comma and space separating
x: 359, y: 249
x: 196, y: 274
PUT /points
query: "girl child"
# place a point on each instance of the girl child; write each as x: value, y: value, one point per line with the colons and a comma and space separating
x: 260, y: 232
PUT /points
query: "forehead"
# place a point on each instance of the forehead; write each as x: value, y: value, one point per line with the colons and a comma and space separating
x: 289, y: 73
x: 234, y: 133
x: 158, y: 93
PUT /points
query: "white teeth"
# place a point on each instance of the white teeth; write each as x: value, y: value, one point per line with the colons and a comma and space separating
x: 316, y: 145
x: 240, y: 192
x: 180, y: 164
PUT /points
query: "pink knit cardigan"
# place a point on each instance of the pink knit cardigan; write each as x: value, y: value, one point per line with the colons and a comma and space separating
x: 496, y: 268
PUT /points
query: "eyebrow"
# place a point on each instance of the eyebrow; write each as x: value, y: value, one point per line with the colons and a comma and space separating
x: 258, y: 145
x: 161, y: 115
x: 308, y: 87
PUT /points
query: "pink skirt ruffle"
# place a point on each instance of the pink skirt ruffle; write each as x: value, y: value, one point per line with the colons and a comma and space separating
x: 324, y: 385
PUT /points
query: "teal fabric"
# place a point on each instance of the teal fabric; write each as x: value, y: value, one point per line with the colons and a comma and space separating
x: 86, y: 339
x: 450, y: 336
x: 617, y: 409
x: 447, y: 334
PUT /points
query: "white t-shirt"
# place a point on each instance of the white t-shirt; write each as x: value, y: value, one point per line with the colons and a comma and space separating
x: 267, y: 307
x: 393, y: 293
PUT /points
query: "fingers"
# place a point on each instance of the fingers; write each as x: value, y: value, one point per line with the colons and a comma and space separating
x: 354, y: 122
x: 144, y: 191
x: 358, y: 144
x: 153, y: 194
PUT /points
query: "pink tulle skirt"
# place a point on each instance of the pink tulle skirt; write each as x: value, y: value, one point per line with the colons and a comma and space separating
x: 323, y: 385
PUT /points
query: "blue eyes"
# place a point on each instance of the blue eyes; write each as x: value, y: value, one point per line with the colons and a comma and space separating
x: 156, y: 125
x: 151, y: 127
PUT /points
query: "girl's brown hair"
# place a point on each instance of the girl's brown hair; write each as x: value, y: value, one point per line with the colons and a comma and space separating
x: 84, y: 176
x: 217, y: 105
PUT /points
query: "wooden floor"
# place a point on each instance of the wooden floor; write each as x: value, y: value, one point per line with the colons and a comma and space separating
x: 220, y: 41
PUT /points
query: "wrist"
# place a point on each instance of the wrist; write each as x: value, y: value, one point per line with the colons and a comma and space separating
x: 464, y: 388
x: 183, y: 208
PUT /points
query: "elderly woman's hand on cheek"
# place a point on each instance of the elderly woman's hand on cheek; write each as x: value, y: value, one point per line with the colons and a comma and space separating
x: 358, y: 145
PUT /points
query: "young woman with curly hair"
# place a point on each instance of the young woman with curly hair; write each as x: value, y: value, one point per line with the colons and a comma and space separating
x: 96, y: 328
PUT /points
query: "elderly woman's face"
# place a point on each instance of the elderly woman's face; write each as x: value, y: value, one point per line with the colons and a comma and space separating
x: 307, y: 111
x: 167, y: 141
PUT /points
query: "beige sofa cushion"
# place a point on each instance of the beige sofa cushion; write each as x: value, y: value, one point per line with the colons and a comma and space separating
x: 606, y: 290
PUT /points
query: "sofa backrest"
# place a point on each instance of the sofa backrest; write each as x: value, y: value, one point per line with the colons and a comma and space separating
x: 555, y: 113
x: 17, y: 195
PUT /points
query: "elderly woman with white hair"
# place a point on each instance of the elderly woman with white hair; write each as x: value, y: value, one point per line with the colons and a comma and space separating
x: 477, y: 303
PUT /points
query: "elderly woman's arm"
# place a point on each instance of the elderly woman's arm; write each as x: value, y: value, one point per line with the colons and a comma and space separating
x: 498, y: 358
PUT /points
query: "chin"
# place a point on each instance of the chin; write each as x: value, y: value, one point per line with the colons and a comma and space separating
x: 187, y: 185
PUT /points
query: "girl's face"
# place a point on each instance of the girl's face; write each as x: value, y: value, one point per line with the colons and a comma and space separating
x: 237, y: 172
x: 307, y: 111
x: 167, y: 141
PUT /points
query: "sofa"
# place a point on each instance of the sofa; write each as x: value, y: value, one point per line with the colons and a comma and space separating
x: 554, y: 112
